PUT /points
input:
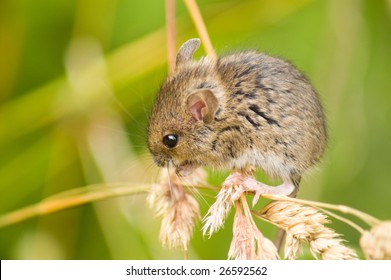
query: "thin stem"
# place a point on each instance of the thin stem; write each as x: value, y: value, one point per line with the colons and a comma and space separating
x: 247, y: 212
x: 205, y: 187
x: 342, y: 219
x: 279, y: 239
x: 259, y: 216
x: 61, y: 202
x: 246, y: 209
x: 171, y: 34
x: 342, y: 208
x: 200, y: 26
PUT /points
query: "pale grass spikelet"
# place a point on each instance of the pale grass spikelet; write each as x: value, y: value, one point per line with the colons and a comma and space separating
x: 159, y: 198
x: 328, y: 244
x: 179, y: 210
x: 219, y: 210
x: 178, y: 222
x: 376, y: 243
x: 248, y: 243
x: 305, y: 224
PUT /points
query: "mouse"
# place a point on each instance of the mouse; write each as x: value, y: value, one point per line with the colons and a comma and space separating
x: 242, y: 111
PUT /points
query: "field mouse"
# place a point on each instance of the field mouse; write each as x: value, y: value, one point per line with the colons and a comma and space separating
x: 242, y: 111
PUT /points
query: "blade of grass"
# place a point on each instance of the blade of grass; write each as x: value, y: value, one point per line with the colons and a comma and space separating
x: 200, y: 26
x: 171, y: 34
x: 70, y: 199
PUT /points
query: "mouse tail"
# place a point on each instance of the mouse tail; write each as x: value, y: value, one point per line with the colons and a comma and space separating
x: 296, y: 179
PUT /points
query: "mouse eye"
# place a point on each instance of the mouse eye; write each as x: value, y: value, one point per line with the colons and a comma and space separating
x: 170, y: 140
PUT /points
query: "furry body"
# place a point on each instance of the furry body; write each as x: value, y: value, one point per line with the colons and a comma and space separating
x: 267, y: 116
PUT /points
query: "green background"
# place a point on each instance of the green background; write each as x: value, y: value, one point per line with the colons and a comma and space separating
x: 77, y: 80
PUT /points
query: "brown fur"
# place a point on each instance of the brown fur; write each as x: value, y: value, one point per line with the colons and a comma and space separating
x: 267, y: 116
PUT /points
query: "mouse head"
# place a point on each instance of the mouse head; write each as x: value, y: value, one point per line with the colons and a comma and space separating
x: 179, y: 126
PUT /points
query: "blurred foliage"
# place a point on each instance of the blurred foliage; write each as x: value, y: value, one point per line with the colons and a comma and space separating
x: 77, y: 79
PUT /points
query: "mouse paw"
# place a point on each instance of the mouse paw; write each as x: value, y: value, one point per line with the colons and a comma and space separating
x: 285, y: 189
x: 252, y: 185
x: 235, y: 179
x: 244, y: 184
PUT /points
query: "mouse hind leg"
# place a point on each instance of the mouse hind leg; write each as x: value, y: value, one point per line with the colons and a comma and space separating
x: 289, y: 187
x: 246, y: 183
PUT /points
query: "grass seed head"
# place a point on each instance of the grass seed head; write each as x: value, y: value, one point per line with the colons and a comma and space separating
x: 376, y: 243
x: 304, y: 224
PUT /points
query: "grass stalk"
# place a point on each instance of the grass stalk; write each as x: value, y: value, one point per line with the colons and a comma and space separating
x: 199, y: 24
x: 171, y: 34
x: 68, y: 200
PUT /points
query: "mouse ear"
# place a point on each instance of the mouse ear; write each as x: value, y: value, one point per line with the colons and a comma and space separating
x: 202, y: 105
x: 186, y: 51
